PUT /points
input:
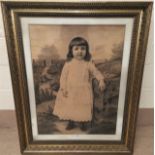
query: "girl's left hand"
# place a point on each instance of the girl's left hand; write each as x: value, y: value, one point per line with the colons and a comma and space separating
x: 101, y: 85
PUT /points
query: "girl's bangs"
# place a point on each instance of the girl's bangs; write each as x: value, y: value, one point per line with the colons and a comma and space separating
x: 79, y: 43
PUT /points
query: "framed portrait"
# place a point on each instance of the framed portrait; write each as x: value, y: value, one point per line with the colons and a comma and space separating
x: 76, y: 71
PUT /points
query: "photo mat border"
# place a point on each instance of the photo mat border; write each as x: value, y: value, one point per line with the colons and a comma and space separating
x: 127, y: 22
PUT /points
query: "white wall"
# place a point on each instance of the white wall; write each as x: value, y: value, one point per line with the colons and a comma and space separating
x: 6, y: 97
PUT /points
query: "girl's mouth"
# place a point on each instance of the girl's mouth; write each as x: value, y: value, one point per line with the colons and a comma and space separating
x: 79, y: 55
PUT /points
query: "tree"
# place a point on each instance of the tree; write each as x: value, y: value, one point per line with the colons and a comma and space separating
x: 117, y: 51
x: 49, y: 53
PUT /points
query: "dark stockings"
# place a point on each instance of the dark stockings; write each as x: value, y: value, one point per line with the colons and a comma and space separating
x: 83, y: 126
x: 71, y: 125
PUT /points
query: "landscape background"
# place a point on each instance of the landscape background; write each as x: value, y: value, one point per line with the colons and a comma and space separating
x: 49, y: 46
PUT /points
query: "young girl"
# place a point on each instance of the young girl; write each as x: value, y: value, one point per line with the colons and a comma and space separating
x: 74, y: 100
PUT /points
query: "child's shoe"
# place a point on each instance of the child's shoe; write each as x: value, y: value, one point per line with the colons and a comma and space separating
x: 70, y: 125
x: 83, y: 126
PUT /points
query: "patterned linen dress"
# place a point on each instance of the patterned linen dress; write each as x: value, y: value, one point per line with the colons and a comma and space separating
x: 76, y: 79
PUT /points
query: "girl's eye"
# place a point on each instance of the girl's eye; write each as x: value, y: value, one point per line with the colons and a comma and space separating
x: 76, y: 48
x: 83, y: 48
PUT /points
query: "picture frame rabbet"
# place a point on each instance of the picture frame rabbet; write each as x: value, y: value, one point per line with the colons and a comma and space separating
x: 26, y: 23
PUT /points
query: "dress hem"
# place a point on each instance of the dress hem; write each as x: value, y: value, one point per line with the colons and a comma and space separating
x: 69, y: 119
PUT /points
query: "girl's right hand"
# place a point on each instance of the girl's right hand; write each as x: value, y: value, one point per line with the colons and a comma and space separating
x: 101, y: 85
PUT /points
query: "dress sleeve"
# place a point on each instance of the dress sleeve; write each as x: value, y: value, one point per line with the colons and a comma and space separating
x: 63, y: 77
x: 95, y: 72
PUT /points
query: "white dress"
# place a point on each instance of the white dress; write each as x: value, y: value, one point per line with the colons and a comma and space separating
x: 76, y: 79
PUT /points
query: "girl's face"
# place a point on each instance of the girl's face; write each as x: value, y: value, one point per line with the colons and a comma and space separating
x: 79, y: 51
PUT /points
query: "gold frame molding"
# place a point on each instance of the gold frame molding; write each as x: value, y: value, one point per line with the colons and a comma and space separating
x: 12, y: 11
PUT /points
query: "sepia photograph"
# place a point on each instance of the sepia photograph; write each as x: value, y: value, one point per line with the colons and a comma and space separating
x: 76, y: 72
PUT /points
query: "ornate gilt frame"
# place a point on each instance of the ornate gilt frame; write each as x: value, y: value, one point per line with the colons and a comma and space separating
x: 12, y: 11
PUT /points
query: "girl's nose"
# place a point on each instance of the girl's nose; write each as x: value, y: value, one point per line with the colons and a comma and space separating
x: 80, y: 52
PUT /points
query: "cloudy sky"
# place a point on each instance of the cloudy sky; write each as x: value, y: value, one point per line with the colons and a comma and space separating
x: 51, y: 40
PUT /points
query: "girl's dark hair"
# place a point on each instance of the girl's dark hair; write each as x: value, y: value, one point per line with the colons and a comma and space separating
x: 78, y: 41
